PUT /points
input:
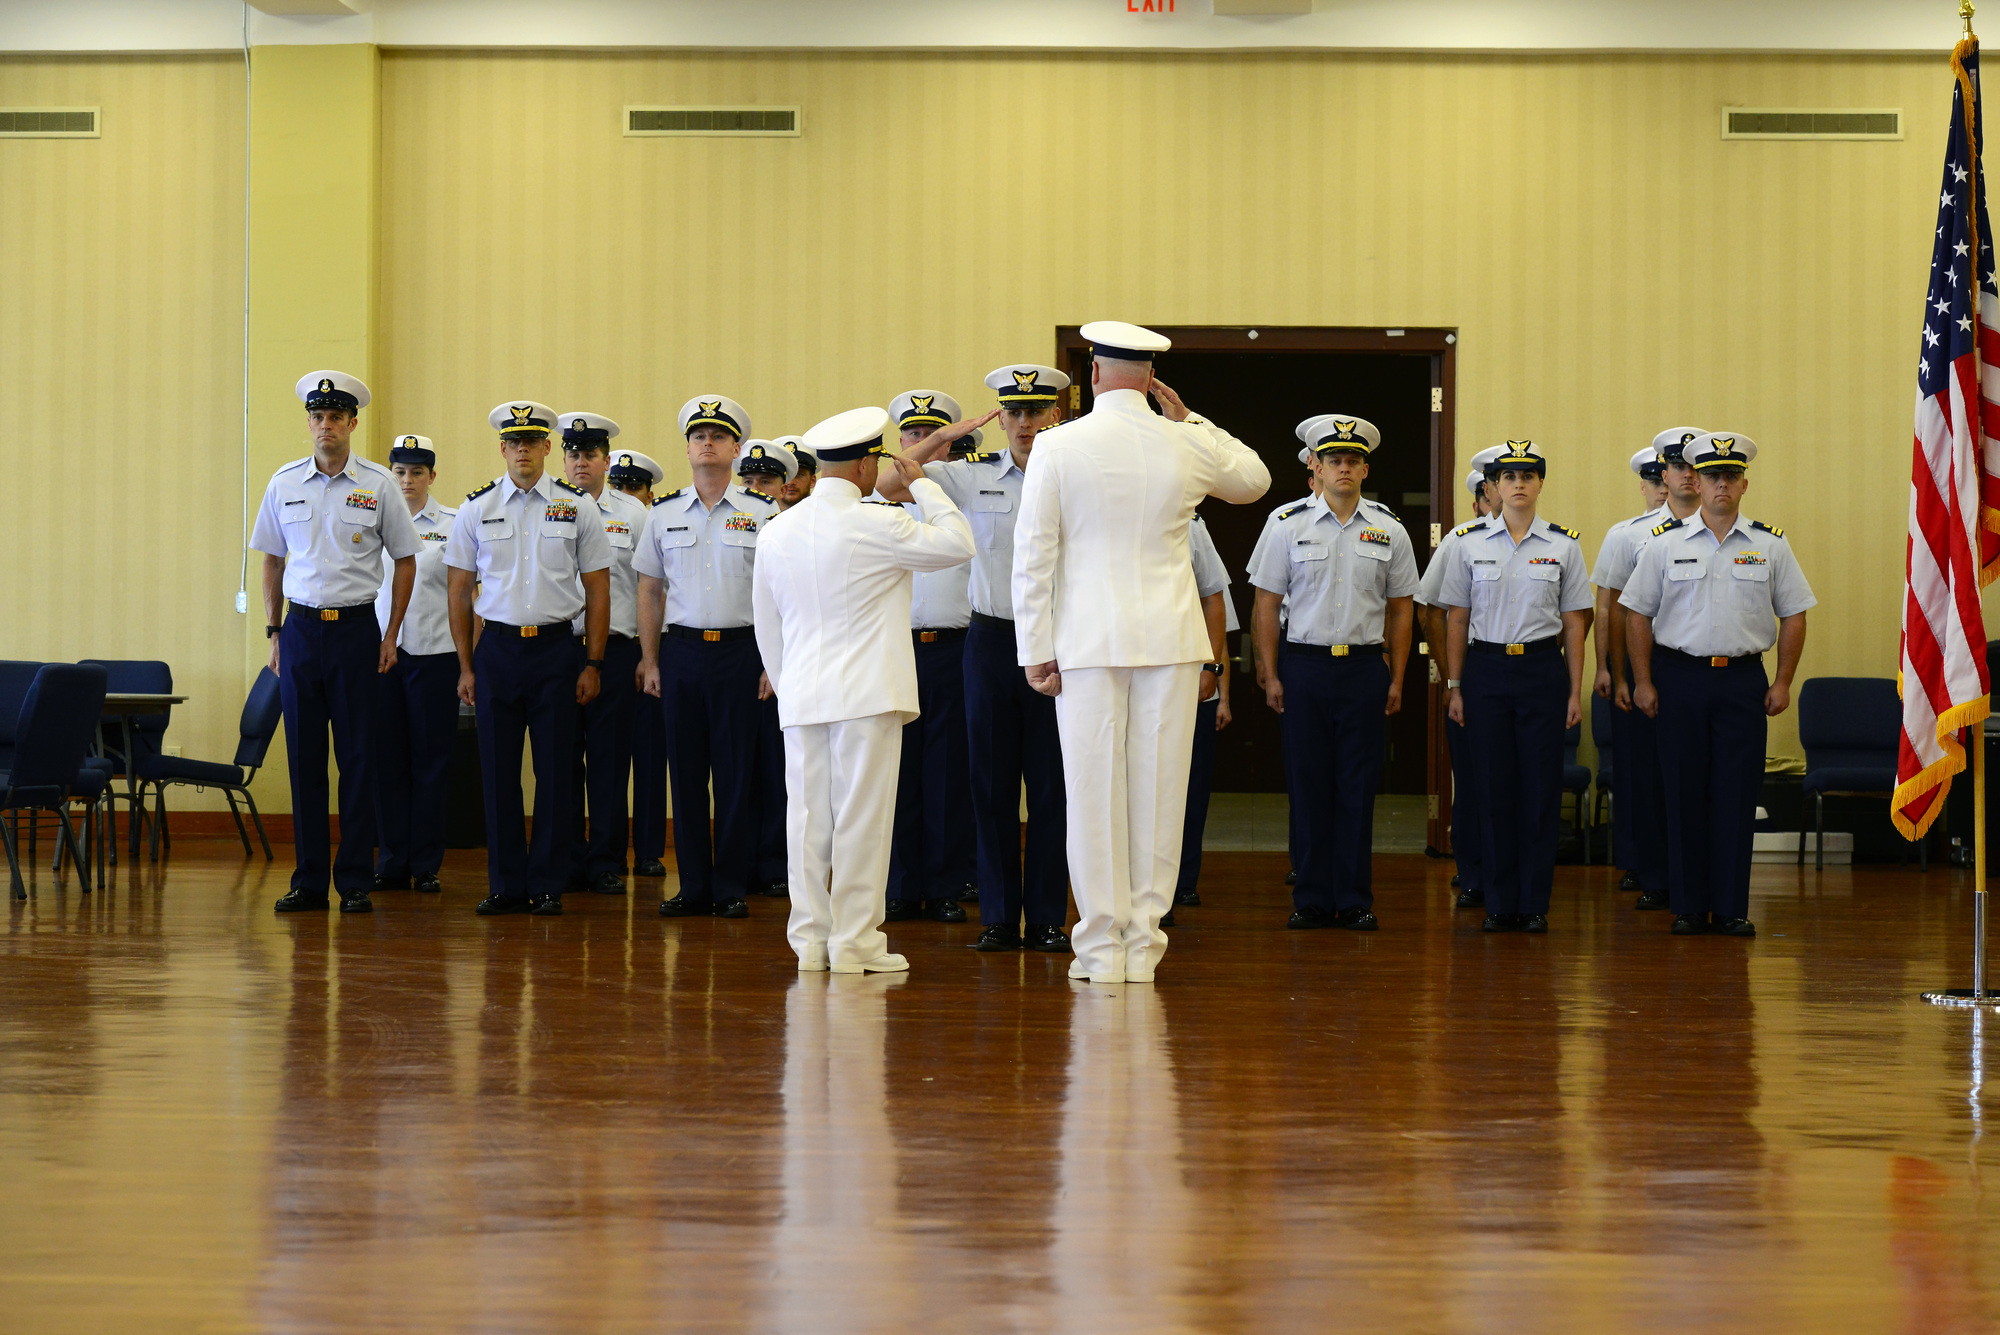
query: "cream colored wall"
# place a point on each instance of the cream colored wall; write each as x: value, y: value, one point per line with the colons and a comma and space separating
x: 1612, y: 265
x: 121, y: 345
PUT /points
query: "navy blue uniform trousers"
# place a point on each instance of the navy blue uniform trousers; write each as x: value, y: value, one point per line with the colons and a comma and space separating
x: 1201, y: 779
x: 709, y: 693
x: 416, y: 719
x: 1335, y: 741
x: 602, y: 763
x: 1514, y: 708
x: 1013, y: 739
x: 1712, y: 736
x: 327, y: 679
x: 932, y: 854
x: 1638, y: 815
x: 771, y: 854
x: 649, y: 779
x: 523, y: 689
x: 1468, y: 836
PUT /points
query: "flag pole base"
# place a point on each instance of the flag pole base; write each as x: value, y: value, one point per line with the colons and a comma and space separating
x: 1962, y: 998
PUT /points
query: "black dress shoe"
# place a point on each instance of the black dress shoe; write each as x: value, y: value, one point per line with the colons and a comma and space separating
x: 1050, y: 940
x: 392, y: 882
x: 1356, y: 920
x: 650, y: 867
x: 428, y: 884
x: 1734, y: 927
x: 548, y: 906
x: 680, y: 906
x: 1535, y: 924
x: 1691, y: 924
x: 732, y: 908
x: 901, y: 910
x: 1469, y: 898
x: 1189, y: 898
x: 1291, y: 878
x: 356, y: 901
x: 778, y: 890
x: 1628, y: 883
x: 1650, y: 901
x: 944, y: 910
x: 1309, y: 919
x: 298, y: 901
x: 608, y: 883
x: 968, y: 893
x: 1497, y: 922
x: 1167, y: 919
x: 1454, y: 880
x: 997, y: 937
x: 493, y: 905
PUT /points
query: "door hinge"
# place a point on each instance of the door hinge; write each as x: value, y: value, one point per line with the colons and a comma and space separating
x: 1075, y: 397
x: 1437, y: 534
x: 1437, y: 398
x: 1431, y: 806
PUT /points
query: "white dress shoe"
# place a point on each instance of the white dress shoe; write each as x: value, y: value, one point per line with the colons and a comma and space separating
x: 814, y: 960
x: 1138, y: 975
x: 1079, y: 970
x: 880, y: 964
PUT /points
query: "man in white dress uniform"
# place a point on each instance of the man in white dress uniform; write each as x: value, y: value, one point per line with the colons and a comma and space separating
x: 1108, y: 621
x: 831, y: 597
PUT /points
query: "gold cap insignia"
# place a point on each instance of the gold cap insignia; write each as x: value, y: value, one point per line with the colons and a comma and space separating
x: 578, y: 424
x: 709, y: 406
x: 409, y: 442
x: 921, y: 402
x: 1724, y: 445
x: 325, y: 386
x: 624, y: 461
x: 521, y: 413
x: 1024, y: 380
x: 1345, y: 429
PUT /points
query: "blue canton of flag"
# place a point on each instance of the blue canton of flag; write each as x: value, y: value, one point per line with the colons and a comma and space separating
x: 1948, y: 321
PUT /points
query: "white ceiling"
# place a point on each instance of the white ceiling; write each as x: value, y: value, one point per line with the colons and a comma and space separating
x: 1518, y: 25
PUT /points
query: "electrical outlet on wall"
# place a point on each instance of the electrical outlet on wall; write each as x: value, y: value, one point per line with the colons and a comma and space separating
x: 170, y: 750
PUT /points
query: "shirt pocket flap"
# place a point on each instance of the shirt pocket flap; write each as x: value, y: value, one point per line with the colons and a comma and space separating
x: 1485, y: 574
x: 619, y: 536
x: 991, y: 502
x: 358, y: 507
x: 495, y: 527
x: 1548, y: 574
x: 294, y: 509
x: 1306, y: 550
x: 674, y: 535
x: 1372, y: 551
x: 1758, y: 571
x: 739, y: 537
x: 1683, y: 568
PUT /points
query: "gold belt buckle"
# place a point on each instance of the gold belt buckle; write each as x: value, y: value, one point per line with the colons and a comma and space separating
x: 1340, y: 651
x: 711, y: 636
x: 926, y: 637
x: 1516, y: 650
x: 329, y: 614
x: 530, y: 632
x: 1720, y: 660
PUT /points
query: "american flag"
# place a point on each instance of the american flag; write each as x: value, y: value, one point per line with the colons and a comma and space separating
x: 1954, y: 547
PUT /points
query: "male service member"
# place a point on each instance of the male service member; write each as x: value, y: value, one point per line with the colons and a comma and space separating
x: 324, y: 525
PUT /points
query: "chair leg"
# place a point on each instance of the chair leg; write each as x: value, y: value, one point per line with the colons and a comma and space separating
x: 10, y: 834
x: 237, y: 816
x: 166, y: 828
x: 1819, y: 831
x: 1802, y: 839
x: 159, y: 819
x: 258, y: 821
x: 68, y: 835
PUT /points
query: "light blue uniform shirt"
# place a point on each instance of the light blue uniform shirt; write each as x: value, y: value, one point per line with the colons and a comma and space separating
x: 1517, y: 592
x: 332, y: 531
x: 1711, y: 598
x: 427, y: 620
x: 939, y: 599
x: 1210, y: 575
x: 529, y: 549
x: 624, y: 525
x: 1620, y: 551
x: 705, y: 556
x: 1338, y: 577
x: 987, y: 487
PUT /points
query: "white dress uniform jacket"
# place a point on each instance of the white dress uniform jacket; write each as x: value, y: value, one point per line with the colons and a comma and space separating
x: 529, y: 549
x: 427, y: 620
x: 832, y: 601
x: 1102, y: 575
x: 332, y: 531
x: 1717, y: 598
x: 624, y: 525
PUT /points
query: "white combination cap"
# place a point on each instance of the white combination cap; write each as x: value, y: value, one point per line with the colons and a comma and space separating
x: 1331, y: 431
x: 850, y: 435
x: 1026, y: 383
x: 715, y: 410
x: 331, y: 389
x: 1124, y: 342
x: 522, y: 417
x: 923, y: 407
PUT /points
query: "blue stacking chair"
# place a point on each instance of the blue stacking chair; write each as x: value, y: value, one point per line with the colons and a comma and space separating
x: 1606, y: 785
x: 1850, y: 728
x: 1576, y: 782
x: 262, y: 713
x: 135, y: 676
x: 52, y: 737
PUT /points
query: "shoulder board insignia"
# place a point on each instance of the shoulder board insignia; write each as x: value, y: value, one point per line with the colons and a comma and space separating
x: 1198, y: 519
x: 1658, y: 529
x: 1466, y: 528
x: 475, y: 495
x: 1763, y: 527
x: 983, y: 457
x: 1554, y: 527
x: 574, y: 490
x: 877, y: 500
x: 758, y: 495
x: 1288, y: 513
x: 1385, y: 510
x: 672, y: 495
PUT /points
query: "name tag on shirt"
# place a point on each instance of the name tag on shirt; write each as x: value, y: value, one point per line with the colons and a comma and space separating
x: 295, y: 511
x: 680, y: 535
x: 1306, y: 550
x: 992, y: 502
x: 496, y: 527
x: 1686, y: 568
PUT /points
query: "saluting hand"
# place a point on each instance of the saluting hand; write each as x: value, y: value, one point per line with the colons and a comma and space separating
x: 1171, y: 406
x: 938, y: 443
x: 893, y: 479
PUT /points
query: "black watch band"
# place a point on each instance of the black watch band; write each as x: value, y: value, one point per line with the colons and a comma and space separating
x: 593, y: 662
x: 1216, y: 668
x: 269, y: 631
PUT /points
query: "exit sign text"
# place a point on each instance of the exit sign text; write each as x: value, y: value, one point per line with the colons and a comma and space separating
x: 1149, y: 6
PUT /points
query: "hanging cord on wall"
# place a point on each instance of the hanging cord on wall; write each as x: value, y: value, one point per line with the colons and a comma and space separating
x: 243, y: 567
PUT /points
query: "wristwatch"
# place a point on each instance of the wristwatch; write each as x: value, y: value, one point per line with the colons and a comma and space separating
x: 1216, y: 668
x: 1451, y: 684
x: 269, y: 631
x: 593, y: 662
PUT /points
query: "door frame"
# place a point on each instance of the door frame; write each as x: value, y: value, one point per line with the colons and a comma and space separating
x: 1440, y: 344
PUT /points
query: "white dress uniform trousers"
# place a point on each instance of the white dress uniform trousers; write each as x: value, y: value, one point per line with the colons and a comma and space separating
x: 832, y: 604
x: 1104, y: 586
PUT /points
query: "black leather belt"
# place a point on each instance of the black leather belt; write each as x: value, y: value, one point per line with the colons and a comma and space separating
x: 1333, y: 650
x: 943, y: 633
x: 526, y: 632
x: 333, y: 613
x: 981, y: 619
x: 1704, y: 660
x: 711, y: 636
x: 1552, y: 644
x: 612, y: 638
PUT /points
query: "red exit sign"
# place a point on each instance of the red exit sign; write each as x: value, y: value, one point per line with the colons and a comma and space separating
x: 1149, y: 6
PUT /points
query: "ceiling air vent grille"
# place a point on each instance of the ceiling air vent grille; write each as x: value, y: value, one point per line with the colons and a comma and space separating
x: 1812, y: 123
x: 48, y: 122
x: 730, y: 122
